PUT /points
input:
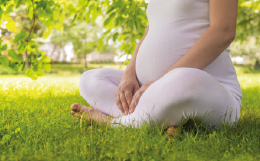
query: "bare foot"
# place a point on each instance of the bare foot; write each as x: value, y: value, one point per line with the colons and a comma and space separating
x: 171, y: 131
x: 89, y: 114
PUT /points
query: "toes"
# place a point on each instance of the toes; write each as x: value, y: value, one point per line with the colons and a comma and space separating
x: 72, y: 112
x: 75, y: 107
x: 170, y: 132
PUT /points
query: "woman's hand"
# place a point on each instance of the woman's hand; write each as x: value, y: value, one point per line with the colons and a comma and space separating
x: 138, y: 94
x: 125, y: 91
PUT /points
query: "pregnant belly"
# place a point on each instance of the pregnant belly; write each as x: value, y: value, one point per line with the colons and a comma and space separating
x: 157, y: 54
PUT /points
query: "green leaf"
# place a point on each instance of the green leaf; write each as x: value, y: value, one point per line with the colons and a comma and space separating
x: 92, y: 44
x: 42, y: 4
x: 21, y: 36
x: 4, y: 47
x: 13, y: 66
x: 30, y: 12
x: 95, y: 13
x: 110, y: 10
x: 11, y: 26
x: 131, y: 24
x: 115, y: 36
x: 28, y: 72
x: 40, y: 72
x: 39, y: 64
x: 14, y: 56
x: 31, y: 74
x: 18, y: 3
x: 1, y: 13
x: 34, y: 76
x: 107, y: 32
x: 71, y: 8
x: 59, y: 26
x: 43, y: 53
x: 106, y: 22
x: 46, y: 33
x: 48, y: 10
x: 41, y: 16
x: 4, y: 61
x: 47, y: 67
x: 74, y: 19
x: 21, y: 47
x: 9, y: 9
x: 35, y: 67
x: 45, y: 59
x: 23, y: 67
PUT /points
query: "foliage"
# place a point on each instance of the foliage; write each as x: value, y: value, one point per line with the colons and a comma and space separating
x: 248, y: 19
x: 248, y: 49
x: 84, y: 37
x: 52, y: 14
x: 125, y: 21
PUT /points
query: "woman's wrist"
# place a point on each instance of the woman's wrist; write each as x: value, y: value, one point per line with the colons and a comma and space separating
x: 130, y: 73
x: 130, y: 69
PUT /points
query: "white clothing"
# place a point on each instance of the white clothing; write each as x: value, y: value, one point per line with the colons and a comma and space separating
x: 174, y: 26
x: 179, y: 95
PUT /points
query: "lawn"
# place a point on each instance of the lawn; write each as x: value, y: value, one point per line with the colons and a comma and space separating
x: 35, y: 124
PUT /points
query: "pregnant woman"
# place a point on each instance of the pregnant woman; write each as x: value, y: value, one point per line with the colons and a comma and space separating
x: 181, y: 69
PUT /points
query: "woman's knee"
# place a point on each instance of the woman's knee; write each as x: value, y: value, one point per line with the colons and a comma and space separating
x: 185, y: 86
x: 87, y: 81
x: 94, y: 79
x: 188, y: 80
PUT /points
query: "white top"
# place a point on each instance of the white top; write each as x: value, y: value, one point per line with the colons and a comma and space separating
x: 174, y: 26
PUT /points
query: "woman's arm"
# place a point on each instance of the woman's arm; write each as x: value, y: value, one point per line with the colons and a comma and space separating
x: 220, y: 34
x: 130, y: 69
x: 128, y: 84
x: 210, y: 45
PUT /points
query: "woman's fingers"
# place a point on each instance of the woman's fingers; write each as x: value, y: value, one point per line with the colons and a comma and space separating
x: 135, y: 100
x: 136, y: 89
x: 128, y: 96
x: 125, y: 93
x: 119, y: 104
x: 124, y: 103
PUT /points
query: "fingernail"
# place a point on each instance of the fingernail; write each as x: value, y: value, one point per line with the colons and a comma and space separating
x: 125, y: 113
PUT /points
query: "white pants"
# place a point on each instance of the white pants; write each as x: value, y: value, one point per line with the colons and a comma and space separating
x: 179, y: 95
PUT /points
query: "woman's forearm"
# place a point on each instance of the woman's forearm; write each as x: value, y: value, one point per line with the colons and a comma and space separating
x: 207, y: 48
x: 130, y: 69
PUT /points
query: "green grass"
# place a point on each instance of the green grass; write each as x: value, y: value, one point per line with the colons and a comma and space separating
x: 35, y: 124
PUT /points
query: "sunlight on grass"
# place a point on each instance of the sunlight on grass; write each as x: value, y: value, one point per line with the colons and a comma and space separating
x: 35, y: 124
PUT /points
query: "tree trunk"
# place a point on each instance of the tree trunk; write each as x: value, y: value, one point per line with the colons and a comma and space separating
x: 85, y: 61
x: 257, y: 64
x: 64, y: 54
x: 25, y: 57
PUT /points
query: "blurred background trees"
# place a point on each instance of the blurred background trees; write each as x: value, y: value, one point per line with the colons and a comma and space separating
x: 35, y: 33
x: 247, y: 43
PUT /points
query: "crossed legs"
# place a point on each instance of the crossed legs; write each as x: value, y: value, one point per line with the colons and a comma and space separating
x: 171, y: 101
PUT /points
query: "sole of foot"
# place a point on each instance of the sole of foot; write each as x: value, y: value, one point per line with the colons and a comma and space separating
x: 170, y: 132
